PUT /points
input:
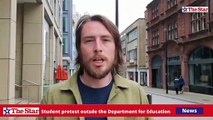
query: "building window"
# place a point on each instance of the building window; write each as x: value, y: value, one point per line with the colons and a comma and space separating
x: 130, y: 74
x: 198, y: 22
x: 143, y: 78
x: 174, y: 70
x: 155, y: 37
x: 171, y: 3
x: 202, y: 53
x: 132, y: 54
x: 172, y: 31
x: 133, y: 35
x: 174, y: 59
x: 201, y: 74
x: 201, y: 67
x: 65, y: 24
x: 154, y: 12
x: 65, y: 44
x: 65, y: 5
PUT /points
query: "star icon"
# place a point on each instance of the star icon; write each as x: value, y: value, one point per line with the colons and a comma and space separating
x: 6, y: 111
x: 184, y: 9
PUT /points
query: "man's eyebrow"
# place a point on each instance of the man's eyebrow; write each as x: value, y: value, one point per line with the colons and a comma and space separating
x: 103, y: 36
x: 106, y: 36
x: 85, y: 37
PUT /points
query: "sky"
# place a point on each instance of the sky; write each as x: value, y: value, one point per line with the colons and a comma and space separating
x: 129, y: 10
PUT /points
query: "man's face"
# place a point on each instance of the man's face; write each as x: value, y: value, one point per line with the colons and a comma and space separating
x: 97, y: 50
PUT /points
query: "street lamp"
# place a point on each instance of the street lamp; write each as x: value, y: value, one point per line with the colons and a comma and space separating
x: 116, y: 12
x: 136, y: 64
x: 166, y: 74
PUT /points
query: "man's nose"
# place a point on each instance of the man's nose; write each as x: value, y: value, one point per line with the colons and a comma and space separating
x: 98, y: 46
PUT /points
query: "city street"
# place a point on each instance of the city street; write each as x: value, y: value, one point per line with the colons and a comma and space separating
x: 159, y: 99
x: 159, y: 96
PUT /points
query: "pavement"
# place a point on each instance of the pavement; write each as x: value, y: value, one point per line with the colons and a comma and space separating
x: 186, y: 96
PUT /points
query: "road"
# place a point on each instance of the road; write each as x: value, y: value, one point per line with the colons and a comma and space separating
x: 160, y: 99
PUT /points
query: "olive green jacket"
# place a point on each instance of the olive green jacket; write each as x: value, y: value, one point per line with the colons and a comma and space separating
x: 123, y: 92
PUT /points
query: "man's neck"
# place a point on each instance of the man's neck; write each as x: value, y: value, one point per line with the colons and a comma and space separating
x: 96, y: 83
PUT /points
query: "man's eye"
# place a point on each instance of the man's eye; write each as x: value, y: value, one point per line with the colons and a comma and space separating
x: 89, y: 40
x: 106, y: 40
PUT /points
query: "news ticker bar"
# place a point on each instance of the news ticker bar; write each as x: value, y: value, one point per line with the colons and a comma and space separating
x: 67, y: 110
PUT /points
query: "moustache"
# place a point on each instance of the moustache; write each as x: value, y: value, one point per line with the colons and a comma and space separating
x: 100, y: 57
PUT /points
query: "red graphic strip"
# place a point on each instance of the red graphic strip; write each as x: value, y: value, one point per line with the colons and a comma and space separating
x: 62, y: 110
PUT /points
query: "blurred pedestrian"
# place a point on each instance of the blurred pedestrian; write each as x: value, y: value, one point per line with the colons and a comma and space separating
x: 181, y: 84
x: 176, y: 84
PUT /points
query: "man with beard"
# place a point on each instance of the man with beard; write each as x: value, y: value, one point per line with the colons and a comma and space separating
x: 100, y: 62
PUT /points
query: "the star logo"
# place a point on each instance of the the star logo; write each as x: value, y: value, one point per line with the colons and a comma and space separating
x: 184, y: 9
x: 6, y: 111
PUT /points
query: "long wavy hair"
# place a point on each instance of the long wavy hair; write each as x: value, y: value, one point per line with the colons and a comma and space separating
x: 118, y: 68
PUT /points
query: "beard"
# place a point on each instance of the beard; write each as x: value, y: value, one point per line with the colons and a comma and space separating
x: 97, y: 73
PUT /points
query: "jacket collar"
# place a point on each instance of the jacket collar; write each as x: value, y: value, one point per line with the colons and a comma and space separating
x: 71, y: 84
x: 119, y: 81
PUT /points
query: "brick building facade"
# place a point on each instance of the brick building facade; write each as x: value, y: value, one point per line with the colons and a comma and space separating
x: 185, y: 39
